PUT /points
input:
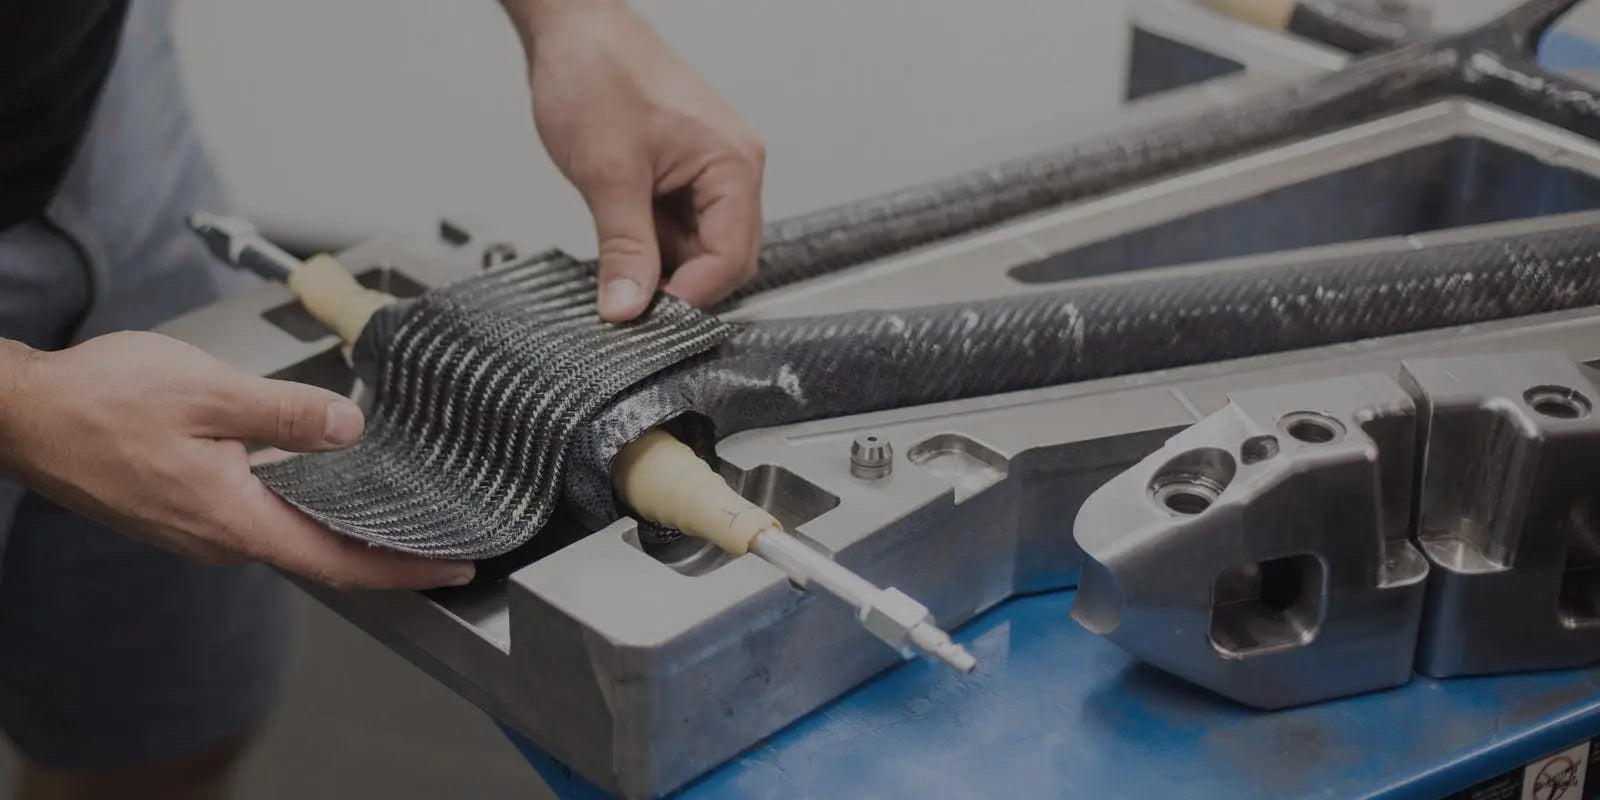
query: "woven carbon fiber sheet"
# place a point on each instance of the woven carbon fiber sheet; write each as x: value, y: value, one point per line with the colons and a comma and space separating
x: 478, y: 392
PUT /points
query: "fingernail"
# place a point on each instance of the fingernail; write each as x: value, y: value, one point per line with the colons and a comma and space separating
x: 620, y: 296
x: 462, y: 577
x: 344, y: 423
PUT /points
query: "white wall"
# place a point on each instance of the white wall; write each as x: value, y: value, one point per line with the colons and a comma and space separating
x: 346, y: 117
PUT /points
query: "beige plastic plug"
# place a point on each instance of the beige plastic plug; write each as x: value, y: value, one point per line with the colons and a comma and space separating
x: 331, y: 294
x: 664, y: 481
x: 1274, y: 15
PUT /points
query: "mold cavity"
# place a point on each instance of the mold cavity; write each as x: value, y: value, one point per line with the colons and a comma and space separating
x: 687, y: 555
x: 1158, y: 64
x: 966, y: 465
x: 1579, y: 599
x: 1267, y: 605
x: 789, y: 497
x: 327, y: 370
x: 1457, y: 183
x: 1558, y: 402
x: 293, y: 319
x: 1258, y: 448
x: 1312, y: 428
x: 1192, y: 482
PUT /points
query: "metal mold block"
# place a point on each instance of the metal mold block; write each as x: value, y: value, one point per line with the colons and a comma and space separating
x: 641, y: 674
x: 1263, y: 553
x: 1509, y: 512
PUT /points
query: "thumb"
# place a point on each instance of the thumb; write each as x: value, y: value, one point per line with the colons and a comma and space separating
x: 630, y: 258
x: 283, y: 414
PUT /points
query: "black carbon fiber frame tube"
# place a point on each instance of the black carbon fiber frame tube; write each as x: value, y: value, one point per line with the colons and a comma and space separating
x: 1494, y: 63
x: 786, y: 371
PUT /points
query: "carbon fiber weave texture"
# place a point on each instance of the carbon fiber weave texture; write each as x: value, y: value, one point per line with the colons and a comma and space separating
x: 1493, y: 63
x: 785, y: 371
x: 479, y: 391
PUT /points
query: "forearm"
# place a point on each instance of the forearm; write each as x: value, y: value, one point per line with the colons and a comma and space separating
x: 529, y: 16
x: 17, y: 362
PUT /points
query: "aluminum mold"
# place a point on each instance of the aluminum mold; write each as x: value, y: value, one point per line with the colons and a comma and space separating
x: 641, y: 673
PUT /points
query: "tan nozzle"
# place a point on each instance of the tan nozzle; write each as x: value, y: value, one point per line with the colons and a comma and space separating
x: 1274, y: 15
x: 660, y: 479
x: 331, y: 294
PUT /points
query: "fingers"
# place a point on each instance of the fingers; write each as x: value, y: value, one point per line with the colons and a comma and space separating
x: 620, y: 196
x: 728, y: 222
x: 283, y: 414
x: 271, y: 530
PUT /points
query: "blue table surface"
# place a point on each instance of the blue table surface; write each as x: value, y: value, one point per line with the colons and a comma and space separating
x: 1055, y: 711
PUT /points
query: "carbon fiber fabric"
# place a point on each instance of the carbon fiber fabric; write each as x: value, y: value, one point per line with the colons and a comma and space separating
x: 479, y: 390
x: 786, y: 371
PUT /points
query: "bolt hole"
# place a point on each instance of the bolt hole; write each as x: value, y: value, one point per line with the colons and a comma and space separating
x: 1258, y: 448
x: 1558, y: 402
x: 872, y: 439
x: 1312, y: 428
x: 1187, y: 501
x: 1191, y: 483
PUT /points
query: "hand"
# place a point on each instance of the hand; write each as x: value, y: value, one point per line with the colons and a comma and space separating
x: 671, y: 175
x: 146, y: 435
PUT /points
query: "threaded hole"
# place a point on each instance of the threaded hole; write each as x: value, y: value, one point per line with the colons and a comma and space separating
x: 1558, y: 402
x: 1188, y: 501
x: 1311, y: 428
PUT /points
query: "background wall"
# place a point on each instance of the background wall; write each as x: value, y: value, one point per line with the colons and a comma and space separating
x: 344, y: 117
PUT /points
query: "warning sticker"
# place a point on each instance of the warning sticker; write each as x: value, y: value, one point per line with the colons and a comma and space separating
x: 1559, y: 777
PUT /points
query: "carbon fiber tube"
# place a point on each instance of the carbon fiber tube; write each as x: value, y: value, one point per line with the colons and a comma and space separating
x: 1493, y: 63
x: 775, y: 373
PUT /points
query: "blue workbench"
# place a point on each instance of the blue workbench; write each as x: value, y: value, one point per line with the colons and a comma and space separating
x: 1055, y: 711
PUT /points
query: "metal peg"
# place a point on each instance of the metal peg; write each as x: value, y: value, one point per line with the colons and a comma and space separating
x: 871, y: 457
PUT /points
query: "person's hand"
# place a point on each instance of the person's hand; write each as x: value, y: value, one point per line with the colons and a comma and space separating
x: 146, y: 435
x: 671, y: 175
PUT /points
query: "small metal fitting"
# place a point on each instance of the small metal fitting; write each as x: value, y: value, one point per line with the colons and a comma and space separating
x: 871, y: 457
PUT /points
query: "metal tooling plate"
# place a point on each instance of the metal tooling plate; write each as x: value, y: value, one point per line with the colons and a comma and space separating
x: 641, y: 675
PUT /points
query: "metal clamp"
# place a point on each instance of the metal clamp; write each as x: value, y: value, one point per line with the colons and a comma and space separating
x: 1509, y: 513
x: 1262, y: 553
x: 1269, y: 551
